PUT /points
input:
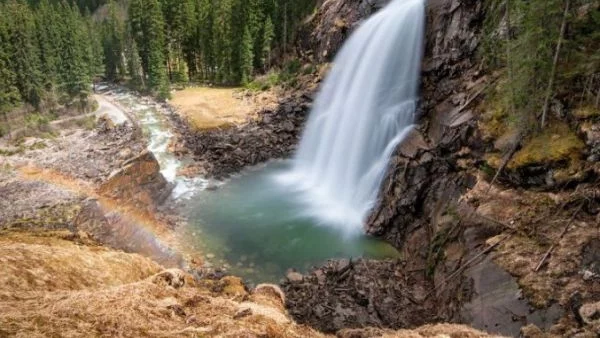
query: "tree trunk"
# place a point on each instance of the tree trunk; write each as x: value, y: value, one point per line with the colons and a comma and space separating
x: 554, y: 63
x: 285, y: 27
x: 598, y: 94
x: 508, y: 58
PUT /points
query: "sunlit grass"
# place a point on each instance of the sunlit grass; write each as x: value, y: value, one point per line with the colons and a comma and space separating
x: 210, y: 108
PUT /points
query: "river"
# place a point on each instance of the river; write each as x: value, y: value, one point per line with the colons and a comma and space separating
x: 250, y: 225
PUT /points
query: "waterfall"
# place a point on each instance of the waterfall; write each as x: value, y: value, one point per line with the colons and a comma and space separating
x: 363, y: 111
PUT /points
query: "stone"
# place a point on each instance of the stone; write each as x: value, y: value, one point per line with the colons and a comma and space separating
x: 294, y: 277
x: 174, y: 278
x: 590, y: 313
x: 125, y: 154
x: 139, y: 182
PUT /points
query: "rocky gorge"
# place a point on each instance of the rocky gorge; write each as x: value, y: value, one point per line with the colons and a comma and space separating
x: 437, y: 205
x: 524, y: 241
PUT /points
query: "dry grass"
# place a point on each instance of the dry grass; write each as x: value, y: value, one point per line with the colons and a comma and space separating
x: 54, y: 287
x: 209, y: 108
x: 434, y: 331
x: 46, y: 262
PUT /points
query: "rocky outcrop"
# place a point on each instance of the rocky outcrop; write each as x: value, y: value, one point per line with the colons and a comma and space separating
x: 428, y: 173
x: 130, y: 232
x: 138, y: 182
x: 364, y: 293
x: 272, y: 134
x: 424, y: 180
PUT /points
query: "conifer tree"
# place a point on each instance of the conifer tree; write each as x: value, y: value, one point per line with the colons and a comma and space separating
x: 247, y: 57
x: 154, y: 35
x: 9, y: 93
x: 134, y: 65
x: 75, y: 75
x: 267, y: 40
x: 113, y: 38
x: 48, y: 22
x: 23, y: 51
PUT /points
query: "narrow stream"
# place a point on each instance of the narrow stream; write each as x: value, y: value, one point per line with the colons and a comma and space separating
x: 251, y: 226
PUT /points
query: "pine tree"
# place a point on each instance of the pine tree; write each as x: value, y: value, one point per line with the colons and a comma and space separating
x: 247, y: 57
x: 267, y: 40
x: 205, y: 33
x: 9, y: 93
x: 23, y: 51
x: 112, y: 40
x: 74, y: 73
x: 154, y: 35
x: 49, y: 32
x: 134, y: 65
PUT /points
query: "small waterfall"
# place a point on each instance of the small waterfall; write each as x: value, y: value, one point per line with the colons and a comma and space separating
x: 364, y: 109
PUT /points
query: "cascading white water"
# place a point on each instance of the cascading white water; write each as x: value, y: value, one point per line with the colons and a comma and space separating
x: 364, y: 109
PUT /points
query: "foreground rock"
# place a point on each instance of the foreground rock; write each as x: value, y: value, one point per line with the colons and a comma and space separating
x: 139, y: 182
x: 81, y: 290
x: 99, y: 183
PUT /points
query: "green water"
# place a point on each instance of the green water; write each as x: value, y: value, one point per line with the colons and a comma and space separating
x: 255, y: 228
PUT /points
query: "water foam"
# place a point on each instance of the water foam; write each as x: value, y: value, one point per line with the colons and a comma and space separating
x: 363, y: 111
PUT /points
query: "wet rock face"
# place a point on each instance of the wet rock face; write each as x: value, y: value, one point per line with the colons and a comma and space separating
x: 332, y: 24
x: 119, y: 231
x: 420, y: 176
x: 427, y: 174
x: 138, y: 182
x: 423, y: 181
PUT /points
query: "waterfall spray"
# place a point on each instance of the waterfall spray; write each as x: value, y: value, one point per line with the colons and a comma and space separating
x: 364, y: 109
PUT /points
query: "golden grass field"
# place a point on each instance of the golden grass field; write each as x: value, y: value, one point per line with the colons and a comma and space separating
x: 209, y: 108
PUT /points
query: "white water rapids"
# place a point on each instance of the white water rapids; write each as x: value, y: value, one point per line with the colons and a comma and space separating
x: 363, y: 111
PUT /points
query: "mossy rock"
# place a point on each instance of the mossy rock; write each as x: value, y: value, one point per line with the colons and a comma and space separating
x: 556, y: 144
x: 493, y: 123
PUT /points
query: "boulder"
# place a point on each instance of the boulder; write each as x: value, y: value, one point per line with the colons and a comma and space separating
x: 138, y: 182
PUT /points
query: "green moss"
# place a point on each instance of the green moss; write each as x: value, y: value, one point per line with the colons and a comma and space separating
x: 557, y: 143
x: 496, y: 120
x: 265, y: 82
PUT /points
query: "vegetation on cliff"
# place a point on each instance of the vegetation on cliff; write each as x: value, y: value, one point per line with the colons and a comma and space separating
x: 547, y: 52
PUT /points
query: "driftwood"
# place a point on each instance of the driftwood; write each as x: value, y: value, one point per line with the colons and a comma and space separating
x: 466, y: 265
x: 562, y: 234
x: 554, y: 64
x: 510, y: 154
